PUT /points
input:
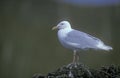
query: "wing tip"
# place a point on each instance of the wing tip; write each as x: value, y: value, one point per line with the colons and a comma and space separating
x: 104, y: 47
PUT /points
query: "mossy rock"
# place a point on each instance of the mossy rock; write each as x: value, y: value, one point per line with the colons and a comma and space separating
x: 82, y: 71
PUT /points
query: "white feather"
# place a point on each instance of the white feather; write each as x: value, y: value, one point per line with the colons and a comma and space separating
x: 102, y: 46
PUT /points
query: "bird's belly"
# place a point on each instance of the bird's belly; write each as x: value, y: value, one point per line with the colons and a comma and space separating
x: 71, y: 46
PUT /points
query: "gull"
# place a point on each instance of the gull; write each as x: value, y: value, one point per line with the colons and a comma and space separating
x: 78, y: 40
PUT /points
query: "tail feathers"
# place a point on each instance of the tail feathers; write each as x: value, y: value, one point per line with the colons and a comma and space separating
x: 107, y: 48
x: 104, y: 47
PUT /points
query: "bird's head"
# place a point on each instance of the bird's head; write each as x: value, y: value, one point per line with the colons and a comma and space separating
x: 62, y: 25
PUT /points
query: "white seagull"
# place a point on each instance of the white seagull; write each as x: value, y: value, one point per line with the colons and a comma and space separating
x: 78, y: 40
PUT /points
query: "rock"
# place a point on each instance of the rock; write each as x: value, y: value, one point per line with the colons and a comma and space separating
x: 81, y: 71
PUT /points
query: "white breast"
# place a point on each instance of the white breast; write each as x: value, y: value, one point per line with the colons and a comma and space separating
x: 62, y: 34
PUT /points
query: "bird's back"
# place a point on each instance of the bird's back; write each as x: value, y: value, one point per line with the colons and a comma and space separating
x: 79, y: 40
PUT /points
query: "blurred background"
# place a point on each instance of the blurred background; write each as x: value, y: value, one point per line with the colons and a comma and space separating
x: 29, y: 46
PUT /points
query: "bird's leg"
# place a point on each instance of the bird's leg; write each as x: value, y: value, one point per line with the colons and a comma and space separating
x: 77, y: 57
x: 74, y: 56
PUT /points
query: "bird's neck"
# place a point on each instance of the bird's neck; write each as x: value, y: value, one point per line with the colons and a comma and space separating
x: 66, y: 30
x: 63, y: 32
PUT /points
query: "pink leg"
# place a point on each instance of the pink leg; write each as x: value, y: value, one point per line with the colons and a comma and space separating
x: 75, y: 57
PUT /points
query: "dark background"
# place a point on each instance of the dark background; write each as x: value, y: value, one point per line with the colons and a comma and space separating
x: 28, y: 45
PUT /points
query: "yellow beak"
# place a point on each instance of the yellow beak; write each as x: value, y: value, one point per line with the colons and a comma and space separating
x: 55, y: 27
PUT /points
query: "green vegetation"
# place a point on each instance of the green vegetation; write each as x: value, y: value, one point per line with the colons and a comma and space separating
x: 82, y: 71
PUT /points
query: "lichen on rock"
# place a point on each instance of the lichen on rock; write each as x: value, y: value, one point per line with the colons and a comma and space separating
x: 79, y: 70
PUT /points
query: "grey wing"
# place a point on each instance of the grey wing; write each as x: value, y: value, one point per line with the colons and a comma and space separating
x: 82, y: 39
